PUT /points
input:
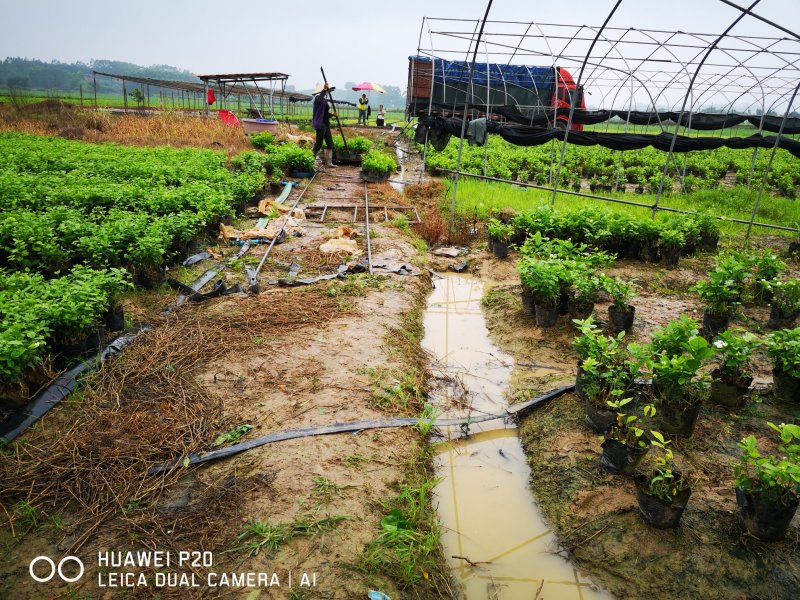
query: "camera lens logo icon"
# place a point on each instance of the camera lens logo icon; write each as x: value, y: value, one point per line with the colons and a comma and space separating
x: 56, y: 569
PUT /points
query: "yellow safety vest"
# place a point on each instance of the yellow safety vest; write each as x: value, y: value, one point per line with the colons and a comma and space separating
x: 362, y: 104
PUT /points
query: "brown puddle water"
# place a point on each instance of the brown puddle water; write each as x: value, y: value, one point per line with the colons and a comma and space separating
x: 485, y: 506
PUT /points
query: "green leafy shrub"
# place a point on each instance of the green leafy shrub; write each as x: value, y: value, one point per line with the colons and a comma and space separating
x: 783, y: 348
x: 542, y: 279
x: 621, y: 291
x: 734, y: 351
x: 776, y: 477
x: 378, y: 163
x: 356, y: 144
x: 263, y: 139
x: 719, y: 294
x: 34, y: 310
x: 609, y: 370
x: 786, y: 295
x: 499, y: 231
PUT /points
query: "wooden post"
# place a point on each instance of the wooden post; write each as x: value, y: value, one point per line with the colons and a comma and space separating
x: 81, y: 90
x: 205, y: 97
x: 94, y: 81
x: 124, y: 95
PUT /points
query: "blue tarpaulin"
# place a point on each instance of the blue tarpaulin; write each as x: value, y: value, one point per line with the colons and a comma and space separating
x: 457, y: 71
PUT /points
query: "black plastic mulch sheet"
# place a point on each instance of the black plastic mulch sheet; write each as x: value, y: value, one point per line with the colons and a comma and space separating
x: 536, y: 136
x: 21, y: 419
x: 697, y: 121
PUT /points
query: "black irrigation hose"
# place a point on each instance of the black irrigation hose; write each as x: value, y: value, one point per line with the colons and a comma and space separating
x: 513, y: 412
x: 20, y: 420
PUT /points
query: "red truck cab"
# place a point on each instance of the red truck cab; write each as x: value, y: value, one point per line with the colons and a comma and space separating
x: 562, y: 98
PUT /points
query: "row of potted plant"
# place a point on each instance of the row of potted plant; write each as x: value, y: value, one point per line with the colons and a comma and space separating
x: 767, y: 486
x: 739, y: 278
x: 560, y: 277
x: 674, y: 360
x: 626, y: 236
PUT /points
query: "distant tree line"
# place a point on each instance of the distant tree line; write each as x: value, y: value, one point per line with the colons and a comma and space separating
x: 28, y: 74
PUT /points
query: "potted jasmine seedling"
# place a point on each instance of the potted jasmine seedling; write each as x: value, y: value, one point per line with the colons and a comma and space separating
x: 541, y: 281
x: 676, y: 354
x: 720, y: 298
x: 732, y: 378
x: 662, y: 493
x: 709, y: 232
x: 768, y: 487
x: 621, y: 311
x: 605, y: 373
x: 625, y: 443
x: 584, y: 292
x: 785, y: 304
x: 500, y: 235
x: 376, y: 166
x: 671, y: 241
x: 784, y: 349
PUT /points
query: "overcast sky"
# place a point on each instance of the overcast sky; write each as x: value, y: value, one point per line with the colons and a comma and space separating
x: 357, y: 41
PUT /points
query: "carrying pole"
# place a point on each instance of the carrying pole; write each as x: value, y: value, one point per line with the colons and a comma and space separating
x: 335, y: 112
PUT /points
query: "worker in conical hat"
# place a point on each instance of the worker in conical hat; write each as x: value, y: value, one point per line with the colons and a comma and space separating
x: 322, y: 123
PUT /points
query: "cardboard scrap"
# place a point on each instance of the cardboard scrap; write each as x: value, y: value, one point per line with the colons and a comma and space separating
x: 340, y: 245
x: 289, y: 224
x: 343, y: 231
x: 267, y: 205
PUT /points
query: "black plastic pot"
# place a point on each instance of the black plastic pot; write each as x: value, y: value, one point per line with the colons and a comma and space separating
x: 95, y: 338
x: 708, y: 243
x: 580, y: 380
x: 527, y: 303
x: 781, y: 320
x: 546, y: 316
x: 579, y: 310
x: 563, y: 302
x: 731, y: 394
x: 657, y: 513
x: 649, y: 251
x: 340, y: 157
x: 794, y: 249
x: 500, y: 249
x: 768, y: 521
x: 671, y: 256
x: 620, y: 320
x: 678, y: 419
x: 114, y: 318
x: 599, y: 420
x: 632, y: 250
x: 786, y: 388
x: 372, y: 177
x: 69, y: 349
x: 714, y: 324
x: 619, y: 458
